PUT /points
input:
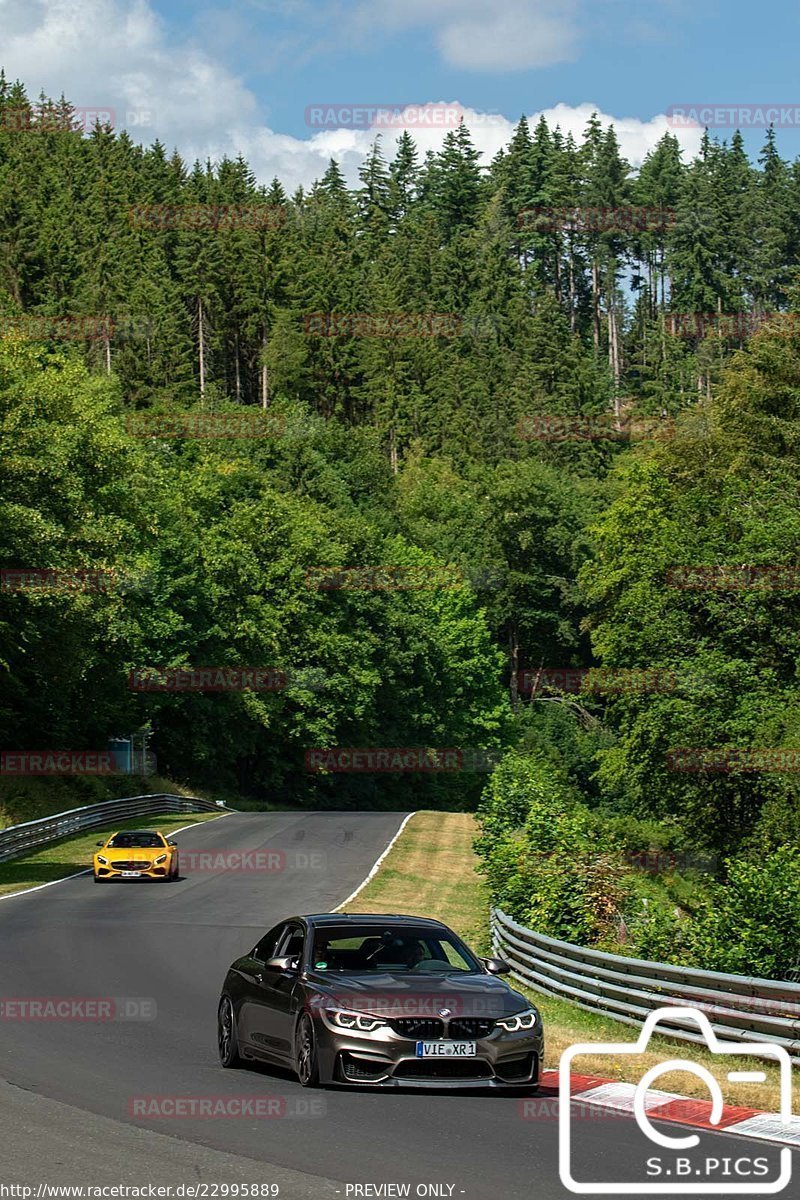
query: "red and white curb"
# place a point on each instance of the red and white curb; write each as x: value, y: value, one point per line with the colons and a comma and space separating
x: 617, y: 1098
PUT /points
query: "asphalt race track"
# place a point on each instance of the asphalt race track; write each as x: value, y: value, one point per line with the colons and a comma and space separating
x: 171, y: 944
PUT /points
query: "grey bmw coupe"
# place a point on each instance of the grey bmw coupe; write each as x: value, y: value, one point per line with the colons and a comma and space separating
x: 378, y: 1000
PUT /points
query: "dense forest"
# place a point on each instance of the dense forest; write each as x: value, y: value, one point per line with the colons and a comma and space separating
x: 533, y: 424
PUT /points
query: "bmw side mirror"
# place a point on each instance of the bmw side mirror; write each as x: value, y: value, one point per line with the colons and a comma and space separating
x: 173, y: 844
x: 101, y: 843
x: 286, y: 962
x: 497, y: 966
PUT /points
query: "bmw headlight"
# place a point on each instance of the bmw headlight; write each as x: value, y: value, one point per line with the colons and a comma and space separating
x: 102, y: 860
x: 523, y: 1020
x: 159, y: 860
x: 361, y: 1022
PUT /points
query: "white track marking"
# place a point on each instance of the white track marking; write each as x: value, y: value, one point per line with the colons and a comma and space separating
x: 375, y: 865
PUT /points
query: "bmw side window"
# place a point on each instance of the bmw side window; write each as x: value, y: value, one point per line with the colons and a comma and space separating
x: 266, y: 947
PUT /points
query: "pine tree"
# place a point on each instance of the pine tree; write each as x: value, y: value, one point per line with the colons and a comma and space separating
x: 404, y: 177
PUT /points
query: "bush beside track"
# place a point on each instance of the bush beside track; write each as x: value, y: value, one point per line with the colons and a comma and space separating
x: 431, y: 871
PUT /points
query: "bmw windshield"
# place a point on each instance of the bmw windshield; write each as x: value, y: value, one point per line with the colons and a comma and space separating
x: 369, y: 949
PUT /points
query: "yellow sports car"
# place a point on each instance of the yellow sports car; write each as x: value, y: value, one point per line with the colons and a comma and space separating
x: 136, y: 854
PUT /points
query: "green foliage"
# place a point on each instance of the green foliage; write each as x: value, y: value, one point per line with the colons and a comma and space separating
x: 752, y: 925
x: 450, y: 447
x: 544, y: 863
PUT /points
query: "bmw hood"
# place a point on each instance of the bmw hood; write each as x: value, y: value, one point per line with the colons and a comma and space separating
x: 396, y: 996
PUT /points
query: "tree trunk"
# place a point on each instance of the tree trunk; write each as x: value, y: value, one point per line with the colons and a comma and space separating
x: 557, y: 272
x: 572, y: 298
x: 237, y: 369
x: 264, y: 372
x: 596, y: 304
x: 393, y: 452
x: 513, y: 658
x: 201, y: 342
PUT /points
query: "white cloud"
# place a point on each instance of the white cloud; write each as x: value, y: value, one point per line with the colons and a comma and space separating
x: 117, y: 54
x: 636, y: 137
x: 486, y: 35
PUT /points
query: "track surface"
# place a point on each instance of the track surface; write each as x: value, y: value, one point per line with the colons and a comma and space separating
x: 172, y: 944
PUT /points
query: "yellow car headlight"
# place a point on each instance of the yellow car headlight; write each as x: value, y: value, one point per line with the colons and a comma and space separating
x: 102, y: 860
x: 160, y: 860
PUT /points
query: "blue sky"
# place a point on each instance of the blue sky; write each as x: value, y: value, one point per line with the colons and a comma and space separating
x: 239, y: 78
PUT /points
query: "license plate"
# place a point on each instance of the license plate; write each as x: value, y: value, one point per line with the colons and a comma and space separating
x: 130, y: 874
x: 446, y: 1050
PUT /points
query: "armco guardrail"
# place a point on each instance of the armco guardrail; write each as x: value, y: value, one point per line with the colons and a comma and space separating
x: 17, y: 839
x: 740, y: 1008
